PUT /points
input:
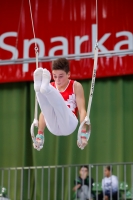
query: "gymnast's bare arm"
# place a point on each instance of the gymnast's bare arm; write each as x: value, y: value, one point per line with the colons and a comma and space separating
x: 80, y: 100
x: 42, y: 123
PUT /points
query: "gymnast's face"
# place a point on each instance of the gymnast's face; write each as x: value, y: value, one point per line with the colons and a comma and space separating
x: 60, y: 77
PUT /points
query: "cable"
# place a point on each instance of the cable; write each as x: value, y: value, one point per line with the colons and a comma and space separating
x: 19, y: 26
x: 32, y: 22
x: 97, y: 20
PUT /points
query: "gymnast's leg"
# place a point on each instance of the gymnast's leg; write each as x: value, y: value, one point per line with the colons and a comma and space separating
x: 58, y: 117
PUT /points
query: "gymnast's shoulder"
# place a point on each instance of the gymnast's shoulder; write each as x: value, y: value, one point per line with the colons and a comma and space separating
x: 77, y: 87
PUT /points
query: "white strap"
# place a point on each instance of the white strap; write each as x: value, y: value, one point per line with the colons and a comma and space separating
x: 93, y: 80
x: 36, y: 103
x: 35, y: 121
x: 87, y: 118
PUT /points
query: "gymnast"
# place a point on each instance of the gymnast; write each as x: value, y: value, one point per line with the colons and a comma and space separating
x: 60, y: 102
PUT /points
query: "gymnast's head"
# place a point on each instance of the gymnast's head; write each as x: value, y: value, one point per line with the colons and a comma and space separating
x: 61, y: 71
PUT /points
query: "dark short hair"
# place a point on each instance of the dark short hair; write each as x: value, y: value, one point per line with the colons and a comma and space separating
x: 61, y: 64
x: 84, y: 166
x: 109, y: 168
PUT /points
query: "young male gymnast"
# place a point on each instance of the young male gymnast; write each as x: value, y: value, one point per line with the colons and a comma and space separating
x: 60, y: 102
